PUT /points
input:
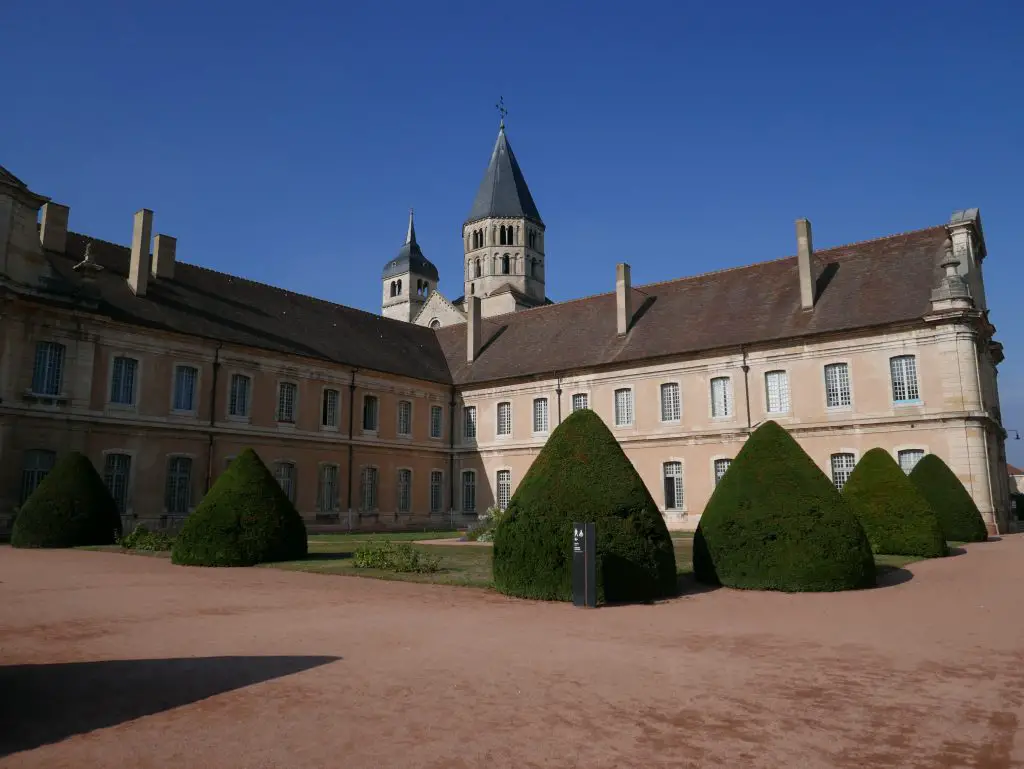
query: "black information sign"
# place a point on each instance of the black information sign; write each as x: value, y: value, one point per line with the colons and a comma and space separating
x: 584, y: 571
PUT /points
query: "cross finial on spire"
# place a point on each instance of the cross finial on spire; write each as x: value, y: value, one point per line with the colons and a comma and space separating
x: 500, y: 106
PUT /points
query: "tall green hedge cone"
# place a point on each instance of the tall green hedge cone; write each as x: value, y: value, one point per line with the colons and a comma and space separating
x: 243, y: 520
x: 582, y: 474
x: 775, y: 522
x: 69, y: 508
x: 958, y: 516
x: 896, y: 517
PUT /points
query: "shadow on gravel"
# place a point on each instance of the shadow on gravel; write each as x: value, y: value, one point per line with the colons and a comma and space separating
x: 887, y: 576
x: 42, y: 704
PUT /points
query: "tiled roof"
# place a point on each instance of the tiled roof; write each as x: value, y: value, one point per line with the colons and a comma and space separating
x: 1011, y: 470
x: 873, y: 283
x: 503, y: 191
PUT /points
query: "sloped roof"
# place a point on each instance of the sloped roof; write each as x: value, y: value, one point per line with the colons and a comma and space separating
x: 6, y: 177
x: 1011, y: 470
x: 503, y: 191
x: 411, y: 259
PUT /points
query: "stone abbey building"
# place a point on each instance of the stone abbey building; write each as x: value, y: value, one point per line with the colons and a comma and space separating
x: 162, y: 371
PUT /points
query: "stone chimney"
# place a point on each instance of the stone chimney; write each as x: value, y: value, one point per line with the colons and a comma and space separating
x: 952, y: 293
x: 53, y: 229
x: 164, y: 249
x: 623, y: 298
x: 805, y: 263
x: 138, y: 270
x: 473, y: 324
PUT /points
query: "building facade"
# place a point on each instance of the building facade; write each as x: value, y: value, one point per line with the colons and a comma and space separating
x: 424, y: 416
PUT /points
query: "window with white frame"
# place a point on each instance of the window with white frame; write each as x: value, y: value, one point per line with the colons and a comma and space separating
x: 329, y: 408
x: 185, y: 379
x: 673, y: 475
x: 327, y: 489
x: 37, y: 463
x: 670, y: 406
x: 370, y: 412
x: 909, y: 458
x: 238, y: 398
x: 837, y: 385
x: 404, y: 417
x: 903, y: 369
x: 580, y: 401
x: 469, y: 421
x: 504, y: 488
x: 368, y: 489
x: 842, y: 466
x: 721, y: 468
x: 47, y: 375
x: 721, y: 396
x: 404, y: 490
x: 436, y: 490
x: 123, y: 378
x: 178, y: 494
x: 436, y: 421
x: 468, y: 491
x: 776, y: 388
x: 286, y: 396
x: 284, y: 473
x: 623, y: 407
x: 540, y: 415
x: 505, y: 418
x: 117, y: 470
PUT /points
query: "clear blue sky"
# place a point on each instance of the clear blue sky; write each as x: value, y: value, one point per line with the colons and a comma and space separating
x: 286, y: 141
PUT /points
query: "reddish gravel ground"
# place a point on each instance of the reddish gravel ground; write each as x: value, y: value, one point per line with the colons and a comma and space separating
x: 109, y: 660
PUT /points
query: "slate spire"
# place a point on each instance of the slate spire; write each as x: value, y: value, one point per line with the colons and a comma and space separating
x: 410, y: 236
x: 503, y: 191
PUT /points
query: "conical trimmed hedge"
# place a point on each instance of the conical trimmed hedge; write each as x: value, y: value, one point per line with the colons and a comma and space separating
x: 958, y: 516
x: 896, y: 517
x: 775, y: 522
x: 243, y: 520
x: 69, y: 508
x: 583, y: 475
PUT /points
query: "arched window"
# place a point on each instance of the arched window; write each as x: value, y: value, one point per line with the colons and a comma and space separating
x: 505, y: 265
x: 532, y: 267
x: 399, y: 287
x: 392, y: 288
x: 479, y: 267
x: 435, y: 323
x: 504, y: 236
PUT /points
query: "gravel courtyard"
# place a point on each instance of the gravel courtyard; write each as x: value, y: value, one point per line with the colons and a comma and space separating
x: 110, y: 660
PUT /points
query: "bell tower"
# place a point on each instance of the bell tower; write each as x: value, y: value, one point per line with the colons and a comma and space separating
x: 408, y: 279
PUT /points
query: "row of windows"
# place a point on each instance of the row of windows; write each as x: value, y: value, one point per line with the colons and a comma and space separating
x: 422, y: 287
x: 503, y: 235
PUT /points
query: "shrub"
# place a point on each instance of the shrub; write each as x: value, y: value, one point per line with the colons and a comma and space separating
x: 243, y: 520
x: 483, y: 530
x: 144, y: 539
x: 896, y: 518
x: 776, y: 522
x: 70, y: 507
x: 391, y: 556
x: 582, y: 474
x: 958, y: 515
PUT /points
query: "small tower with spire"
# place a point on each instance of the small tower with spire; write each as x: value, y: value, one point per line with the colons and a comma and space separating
x: 408, y: 279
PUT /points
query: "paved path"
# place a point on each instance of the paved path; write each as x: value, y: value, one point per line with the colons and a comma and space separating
x: 108, y: 660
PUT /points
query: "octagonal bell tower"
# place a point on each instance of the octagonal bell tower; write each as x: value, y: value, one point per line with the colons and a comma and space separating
x: 408, y: 279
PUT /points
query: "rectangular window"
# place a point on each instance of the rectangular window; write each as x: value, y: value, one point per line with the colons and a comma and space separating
x: 38, y: 462
x: 670, y: 406
x: 122, y: 381
x: 469, y: 421
x: 117, y: 470
x: 286, y: 393
x: 580, y: 401
x: 721, y: 396
x: 904, y: 379
x: 284, y: 473
x: 623, y: 407
x: 178, y: 494
x: 776, y: 387
x: 673, y: 473
x: 368, y: 489
x: 909, y: 458
x: 842, y: 466
x: 327, y: 489
x: 185, y: 378
x: 436, y: 486
x: 329, y: 410
x: 504, y: 488
x: 436, y: 421
x: 49, y: 368
x: 504, y: 419
x: 540, y: 415
x: 837, y: 385
x: 238, y: 402
x: 404, y: 418
x: 721, y: 467
x: 469, y: 491
x: 404, y: 490
x: 370, y: 405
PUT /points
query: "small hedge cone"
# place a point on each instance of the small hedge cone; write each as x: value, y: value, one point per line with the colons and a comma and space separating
x: 958, y: 516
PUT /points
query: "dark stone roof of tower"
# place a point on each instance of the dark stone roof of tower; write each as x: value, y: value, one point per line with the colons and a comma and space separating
x: 411, y: 259
x: 9, y: 178
x: 503, y: 191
